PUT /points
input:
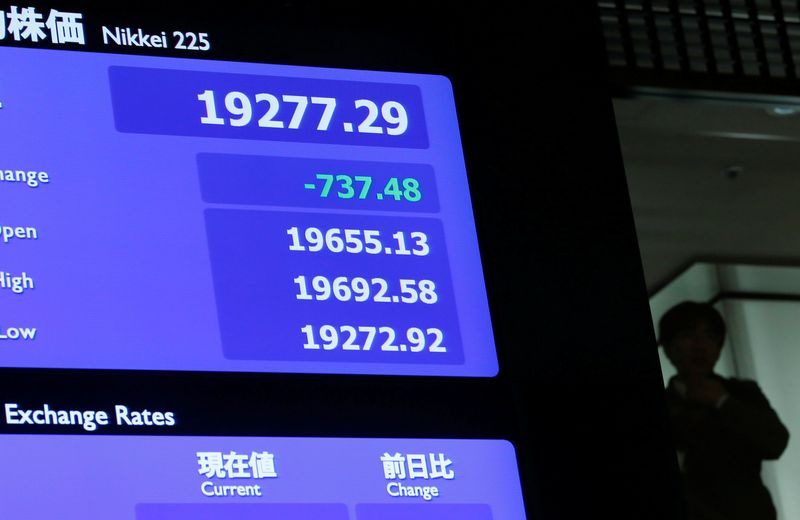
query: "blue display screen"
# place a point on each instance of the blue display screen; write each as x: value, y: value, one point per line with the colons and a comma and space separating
x: 221, y: 478
x: 177, y: 214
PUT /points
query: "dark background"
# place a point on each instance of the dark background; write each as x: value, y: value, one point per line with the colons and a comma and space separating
x: 580, y: 390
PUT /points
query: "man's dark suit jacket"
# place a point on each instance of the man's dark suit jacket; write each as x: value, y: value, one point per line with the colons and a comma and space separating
x: 721, y: 449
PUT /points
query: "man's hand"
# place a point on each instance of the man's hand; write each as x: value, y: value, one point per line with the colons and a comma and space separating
x: 704, y: 390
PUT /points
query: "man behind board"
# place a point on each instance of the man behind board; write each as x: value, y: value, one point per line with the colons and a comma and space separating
x: 722, y: 428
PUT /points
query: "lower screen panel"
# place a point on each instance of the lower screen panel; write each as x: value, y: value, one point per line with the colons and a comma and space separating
x: 241, y: 511
x: 313, y: 511
x: 423, y: 512
x: 215, y: 478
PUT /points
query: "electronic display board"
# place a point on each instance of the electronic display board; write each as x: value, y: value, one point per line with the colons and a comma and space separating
x: 175, y: 214
x: 249, y: 478
x: 246, y: 229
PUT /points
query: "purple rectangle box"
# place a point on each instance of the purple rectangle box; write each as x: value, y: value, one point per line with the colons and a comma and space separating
x: 241, y: 511
x: 161, y: 101
x: 261, y: 316
x: 422, y: 512
x: 166, y: 477
x: 289, y: 181
x: 122, y: 253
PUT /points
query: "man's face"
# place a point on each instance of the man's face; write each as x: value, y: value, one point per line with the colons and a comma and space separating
x: 695, y: 350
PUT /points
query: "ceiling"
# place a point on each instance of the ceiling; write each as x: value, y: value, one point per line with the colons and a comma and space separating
x: 711, y: 178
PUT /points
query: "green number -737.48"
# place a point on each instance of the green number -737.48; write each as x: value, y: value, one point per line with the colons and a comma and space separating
x: 360, y: 186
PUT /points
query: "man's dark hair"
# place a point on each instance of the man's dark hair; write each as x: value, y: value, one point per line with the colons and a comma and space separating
x: 686, y: 315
